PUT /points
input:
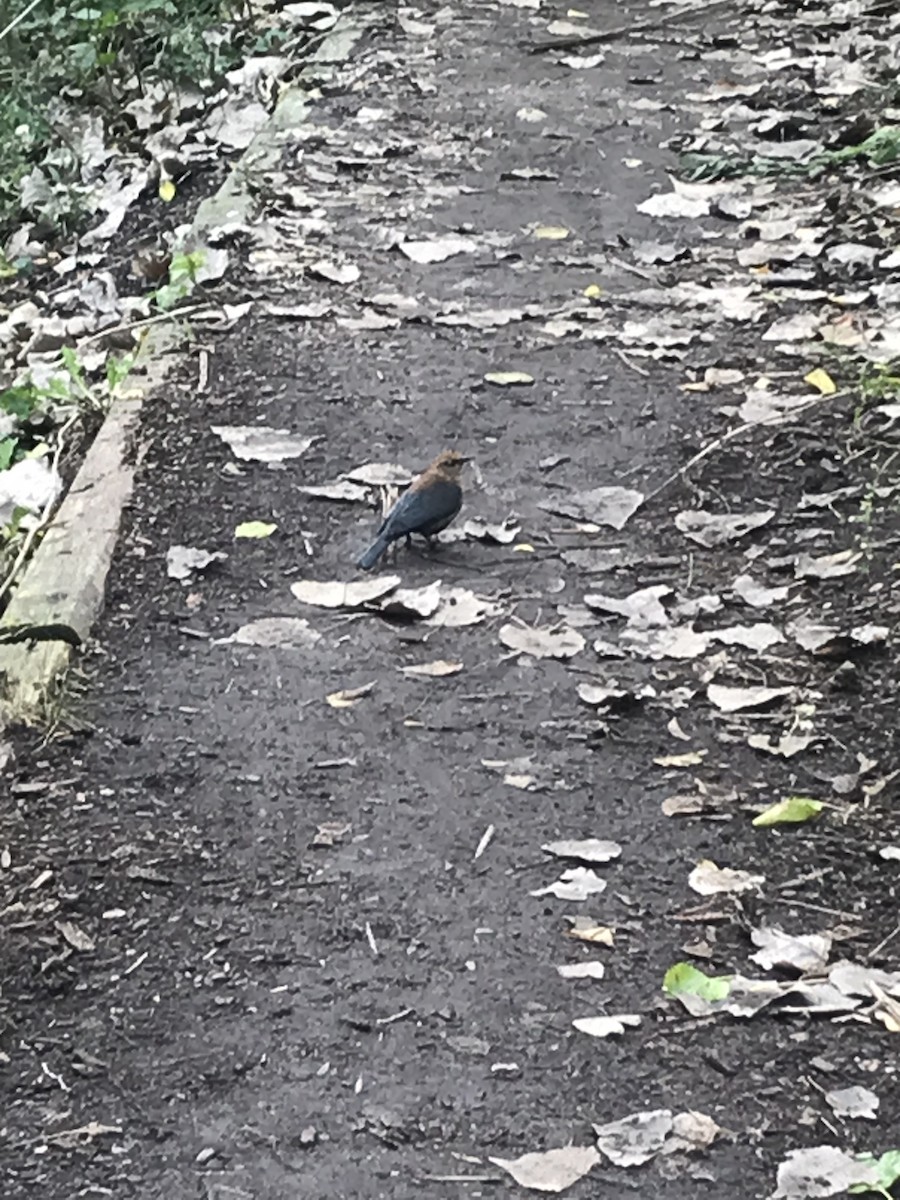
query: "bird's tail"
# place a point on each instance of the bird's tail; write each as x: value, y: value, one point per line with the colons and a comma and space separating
x: 368, y: 560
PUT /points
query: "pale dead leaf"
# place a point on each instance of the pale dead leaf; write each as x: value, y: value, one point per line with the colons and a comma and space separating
x: 709, y: 880
x: 827, y: 566
x: 432, y: 670
x: 438, y: 249
x: 460, y: 607
x: 293, y: 633
x: 582, y: 970
x: 715, y: 529
x: 605, y: 506
x: 550, y: 1170
x: 586, y: 930
x: 806, y: 953
x: 854, y: 1103
x: 349, y: 696
x: 337, y: 594
x: 756, y: 595
x: 542, y: 642
x: 690, y: 758
x: 593, y: 850
x: 261, y: 443
x: 603, y: 1027
x: 741, y: 699
x: 335, y: 272
x: 577, y: 884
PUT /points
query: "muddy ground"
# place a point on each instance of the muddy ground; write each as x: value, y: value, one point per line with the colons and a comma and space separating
x: 256, y: 1015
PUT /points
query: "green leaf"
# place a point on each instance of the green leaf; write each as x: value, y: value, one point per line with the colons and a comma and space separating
x: 7, y: 452
x: 888, y: 1168
x: 794, y: 810
x: 255, y: 529
x: 19, y: 401
x: 685, y: 979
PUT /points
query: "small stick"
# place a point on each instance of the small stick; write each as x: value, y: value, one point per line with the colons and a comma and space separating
x: 781, y: 419
x: 609, y: 35
x: 884, y: 941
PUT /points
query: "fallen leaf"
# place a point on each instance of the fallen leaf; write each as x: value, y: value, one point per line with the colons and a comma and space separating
x: 684, y: 979
x: 585, y: 930
x: 293, y: 633
x: 690, y: 758
x: 798, y: 328
x: 183, y: 561
x: 542, y: 642
x: 635, y: 1139
x: 438, y: 249
x: 709, y: 880
x: 715, y: 529
x: 509, y: 378
x: 432, y: 670
x: 342, y: 490
x: 792, y: 811
x: 611, y: 696
x: 551, y: 233
x: 551, y: 1170
x: 643, y: 608
x: 412, y: 603
x: 787, y: 745
x: 261, y: 443
x: 826, y: 566
x: 639, y: 1137
x: 501, y: 532
x: 609, y: 506
x: 593, y: 850
x: 855, y: 1103
x: 760, y: 637
x: 671, y: 204
x: 602, y: 1027
x: 576, y: 884
x: 334, y: 272
x: 380, y: 474
x: 818, y: 1171
x: 582, y: 970
x: 740, y: 699
x: 806, y: 953
x: 337, y: 594
x: 460, y: 607
x: 254, y: 529
x: 821, y: 381
x: 349, y: 696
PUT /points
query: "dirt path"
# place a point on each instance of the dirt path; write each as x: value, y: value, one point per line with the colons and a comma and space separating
x: 264, y: 1017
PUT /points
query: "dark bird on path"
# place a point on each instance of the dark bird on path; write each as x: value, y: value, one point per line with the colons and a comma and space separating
x: 427, y: 506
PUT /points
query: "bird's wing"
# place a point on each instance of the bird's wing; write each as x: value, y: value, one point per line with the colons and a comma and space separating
x: 417, y: 508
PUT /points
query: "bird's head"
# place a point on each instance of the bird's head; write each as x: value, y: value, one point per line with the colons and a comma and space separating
x: 451, y: 463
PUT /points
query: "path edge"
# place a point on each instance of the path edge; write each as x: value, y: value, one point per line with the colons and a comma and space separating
x: 65, y: 580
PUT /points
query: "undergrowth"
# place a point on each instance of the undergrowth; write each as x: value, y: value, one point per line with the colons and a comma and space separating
x: 93, y: 57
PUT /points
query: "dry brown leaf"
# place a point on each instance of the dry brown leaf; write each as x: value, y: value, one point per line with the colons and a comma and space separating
x: 349, y: 696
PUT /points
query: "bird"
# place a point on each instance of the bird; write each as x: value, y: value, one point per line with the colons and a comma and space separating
x: 427, y: 506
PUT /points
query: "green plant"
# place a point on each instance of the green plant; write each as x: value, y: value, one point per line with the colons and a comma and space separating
x: 95, y: 56
x: 182, y: 279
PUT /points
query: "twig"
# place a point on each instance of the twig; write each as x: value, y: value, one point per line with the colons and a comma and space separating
x: 127, y: 326
x: 884, y: 941
x: 20, y: 18
x: 609, y: 35
x: 628, y: 363
x: 772, y: 422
